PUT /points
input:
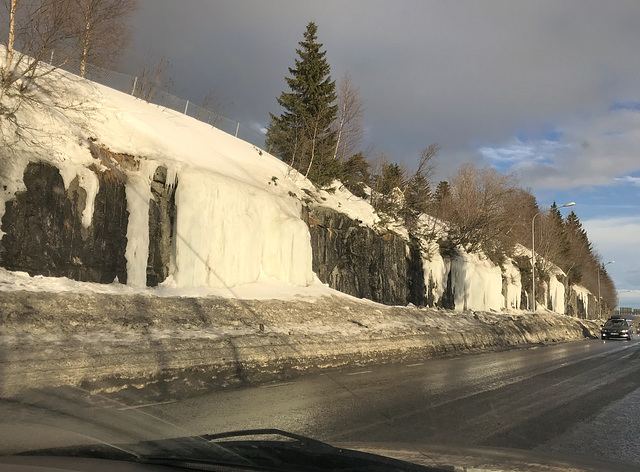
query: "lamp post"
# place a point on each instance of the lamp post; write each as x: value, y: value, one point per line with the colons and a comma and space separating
x: 599, y: 300
x: 619, y: 303
x: 533, y: 252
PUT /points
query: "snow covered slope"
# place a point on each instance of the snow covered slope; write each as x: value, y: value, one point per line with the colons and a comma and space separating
x: 238, y: 208
x: 238, y: 218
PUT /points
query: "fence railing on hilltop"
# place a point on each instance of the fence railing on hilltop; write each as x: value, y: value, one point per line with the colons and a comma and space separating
x: 148, y: 91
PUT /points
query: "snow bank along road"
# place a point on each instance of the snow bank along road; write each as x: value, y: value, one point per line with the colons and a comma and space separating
x: 178, y: 346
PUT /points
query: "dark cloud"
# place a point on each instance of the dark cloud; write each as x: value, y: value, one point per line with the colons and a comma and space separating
x: 463, y: 74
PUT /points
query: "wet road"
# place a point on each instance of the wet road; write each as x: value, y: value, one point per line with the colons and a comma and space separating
x: 577, y: 398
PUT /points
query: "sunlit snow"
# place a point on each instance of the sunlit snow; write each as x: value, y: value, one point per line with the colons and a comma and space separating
x: 238, y: 226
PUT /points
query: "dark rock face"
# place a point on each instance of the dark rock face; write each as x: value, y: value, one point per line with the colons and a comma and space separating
x: 162, y: 213
x: 575, y: 306
x: 447, y: 301
x: 44, y: 233
x: 418, y: 293
x: 355, y: 260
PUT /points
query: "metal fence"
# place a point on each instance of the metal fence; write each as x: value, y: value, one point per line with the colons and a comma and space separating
x: 149, y: 91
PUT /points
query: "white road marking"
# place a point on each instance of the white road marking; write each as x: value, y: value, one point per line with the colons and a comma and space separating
x: 278, y: 385
x: 135, y: 407
x: 361, y: 372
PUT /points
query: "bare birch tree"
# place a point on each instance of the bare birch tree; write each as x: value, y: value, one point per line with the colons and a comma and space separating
x: 35, y: 28
x: 102, y: 33
x: 477, y: 213
x: 153, y: 77
x: 349, y: 122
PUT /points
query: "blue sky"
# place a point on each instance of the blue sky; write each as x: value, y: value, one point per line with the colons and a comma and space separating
x: 595, y: 163
x: 545, y: 89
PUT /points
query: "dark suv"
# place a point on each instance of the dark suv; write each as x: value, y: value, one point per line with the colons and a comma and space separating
x: 616, y: 328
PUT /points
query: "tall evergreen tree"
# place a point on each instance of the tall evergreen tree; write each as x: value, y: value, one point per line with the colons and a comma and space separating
x: 302, y: 135
x: 356, y: 174
x: 580, y: 249
x: 443, y: 190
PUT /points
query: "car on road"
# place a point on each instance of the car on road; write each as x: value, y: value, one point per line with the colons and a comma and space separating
x: 616, y: 328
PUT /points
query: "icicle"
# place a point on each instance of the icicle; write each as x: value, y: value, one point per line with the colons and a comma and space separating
x: 88, y: 181
x: 138, y: 192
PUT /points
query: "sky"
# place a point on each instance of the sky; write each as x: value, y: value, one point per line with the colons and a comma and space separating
x: 547, y: 90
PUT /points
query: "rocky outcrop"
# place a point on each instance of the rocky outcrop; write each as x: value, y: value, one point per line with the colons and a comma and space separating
x: 162, y: 214
x: 356, y: 260
x: 584, y: 305
x: 44, y: 234
x: 62, y: 229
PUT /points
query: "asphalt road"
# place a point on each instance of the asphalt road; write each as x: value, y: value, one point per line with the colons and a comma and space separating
x: 580, y: 398
x: 574, y: 398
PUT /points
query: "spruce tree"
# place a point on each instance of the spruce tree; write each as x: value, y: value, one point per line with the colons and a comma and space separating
x: 355, y: 174
x: 417, y: 197
x: 560, y: 239
x: 443, y: 190
x: 580, y: 248
x: 301, y: 135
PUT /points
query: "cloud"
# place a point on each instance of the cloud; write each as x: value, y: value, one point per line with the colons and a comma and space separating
x: 593, y: 150
x: 629, y: 179
x: 447, y: 72
x: 518, y: 151
x: 617, y: 239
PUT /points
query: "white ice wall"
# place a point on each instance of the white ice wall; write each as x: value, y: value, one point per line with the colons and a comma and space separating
x: 477, y: 283
x: 513, y: 285
x: 138, y: 193
x: 556, y: 294
x: 435, y: 271
x: 583, y: 294
x: 230, y: 233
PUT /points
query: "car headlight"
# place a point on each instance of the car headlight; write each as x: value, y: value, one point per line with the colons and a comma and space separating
x: 624, y: 331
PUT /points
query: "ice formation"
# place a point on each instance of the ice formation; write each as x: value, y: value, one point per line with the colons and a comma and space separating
x: 138, y: 192
x: 512, y: 286
x: 556, y: 294
x: 229, y: 233
x: 477, y: 283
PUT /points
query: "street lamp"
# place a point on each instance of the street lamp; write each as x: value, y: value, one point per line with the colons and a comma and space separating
x: 533, y: 252
x: 619, y: 302
x: 600, y: 301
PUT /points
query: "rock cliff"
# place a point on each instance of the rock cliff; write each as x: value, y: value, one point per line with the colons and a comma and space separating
x: 47, y: 232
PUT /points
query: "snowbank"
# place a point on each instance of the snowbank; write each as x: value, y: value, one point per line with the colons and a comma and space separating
x: 111, y: 342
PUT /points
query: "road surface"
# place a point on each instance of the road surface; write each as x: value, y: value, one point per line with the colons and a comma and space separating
x: 574, y: 398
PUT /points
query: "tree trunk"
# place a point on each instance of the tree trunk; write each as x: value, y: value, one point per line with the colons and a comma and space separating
x: 85, y: 45
x: 344, y: 110
x: 12, y: 38
x: 313, y: 149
